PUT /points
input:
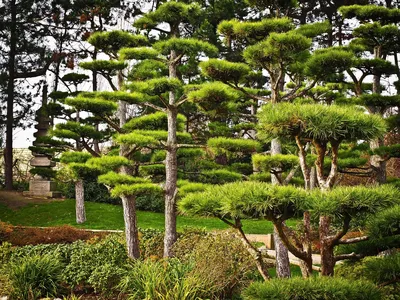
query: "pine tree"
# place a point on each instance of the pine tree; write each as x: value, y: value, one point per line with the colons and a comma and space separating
x: 378, y: 36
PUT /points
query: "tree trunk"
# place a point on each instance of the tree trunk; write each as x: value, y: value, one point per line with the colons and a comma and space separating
x: 276, y: 148
x: 80, y: 202
x: 326, y: 250
x: 282, y: 255
x: 306, y: 265
x: 303, y: 164
x: 131, y: 231
x: 377, y: 163
x: 313, y: 178
x: 8, y: 153
x: 319, y: 165
x: 171, y: 167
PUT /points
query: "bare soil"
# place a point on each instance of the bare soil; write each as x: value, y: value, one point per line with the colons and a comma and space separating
x: 15, y: 200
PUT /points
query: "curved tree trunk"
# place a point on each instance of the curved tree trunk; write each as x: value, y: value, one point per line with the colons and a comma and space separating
x: 80, y: 202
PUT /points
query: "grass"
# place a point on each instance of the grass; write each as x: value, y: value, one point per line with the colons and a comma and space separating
x: 107, y: 216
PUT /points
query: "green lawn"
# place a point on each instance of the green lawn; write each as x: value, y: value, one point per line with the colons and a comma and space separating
x: 106, y: 216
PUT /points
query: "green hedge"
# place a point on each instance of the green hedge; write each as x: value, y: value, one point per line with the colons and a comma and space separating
x: 320, y: 288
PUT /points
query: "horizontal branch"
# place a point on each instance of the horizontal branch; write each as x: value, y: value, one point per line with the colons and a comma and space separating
x: 190, y: 146
x: 354, y: 240
x: 348, y: 256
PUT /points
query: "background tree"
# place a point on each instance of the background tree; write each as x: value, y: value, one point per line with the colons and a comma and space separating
x: 26, y: 55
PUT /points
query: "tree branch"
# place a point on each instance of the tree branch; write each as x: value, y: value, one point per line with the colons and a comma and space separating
x: 348, y: 256
x: 156, y: 107
x: 354, y: 240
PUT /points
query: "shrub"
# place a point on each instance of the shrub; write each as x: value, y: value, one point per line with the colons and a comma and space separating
x: 220, y: 260
x: 151, y: 243
x: 165, y: 279
x: 87, y: 260
x: 150, y: 202
x: 35, y: 277
x: 324, y: 288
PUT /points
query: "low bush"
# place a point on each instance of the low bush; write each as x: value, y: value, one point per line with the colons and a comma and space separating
x: 220, y: 260
x: 35, y: 277
x: 86, y: 261
x: 150, y: 202
x: 165, y: 279
x: 383, y: 271
x: 151, y: 243
x: 318, y: 288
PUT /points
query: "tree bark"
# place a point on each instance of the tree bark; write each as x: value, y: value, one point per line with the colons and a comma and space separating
x: 171, y: 166
x: 306, y: 265
x: 377, y: 163
x: 131, y: 230
x: 303, y: 164
x: 8, y: 153
x: 80, y: 202
x: 282, y: 255
x: 326, y: 250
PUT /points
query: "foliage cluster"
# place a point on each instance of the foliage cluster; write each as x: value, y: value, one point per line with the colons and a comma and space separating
x: 101, y: 265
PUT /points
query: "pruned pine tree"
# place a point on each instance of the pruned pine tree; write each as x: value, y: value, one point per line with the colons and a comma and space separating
x: 336, y: 210
x: 173, y: 50
x: 76, y: 163
x: 82, y: 130
x: 376, y: 36
x: 277, y: 48
x: 322, y: 126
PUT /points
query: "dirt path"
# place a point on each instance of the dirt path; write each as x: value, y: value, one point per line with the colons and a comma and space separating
x: 16, y: 200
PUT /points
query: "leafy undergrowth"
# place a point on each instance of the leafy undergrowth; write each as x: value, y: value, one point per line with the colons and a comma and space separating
x: 110, y: 217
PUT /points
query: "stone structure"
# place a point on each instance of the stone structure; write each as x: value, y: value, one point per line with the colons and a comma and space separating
x: 40, y: 185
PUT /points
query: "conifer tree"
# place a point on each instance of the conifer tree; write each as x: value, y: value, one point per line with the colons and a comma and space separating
x: 176, y: 50
x: 377, y: 35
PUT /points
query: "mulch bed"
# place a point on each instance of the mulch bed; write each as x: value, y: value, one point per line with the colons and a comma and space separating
x: 21, y: 235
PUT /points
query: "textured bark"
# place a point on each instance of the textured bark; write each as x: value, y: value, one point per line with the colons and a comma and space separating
x: 313, y: 178
x: 303, y: 164
x: 122, y: 106
x: 326, y: 183
x: 131, y: 230
x: 80, y: 202
x: 306, y: 264
x: 378, y: 164
x: 171, y: 167
x: 276, y: 148
x: 282, y: 257
x: 8, y: 152
x: 326, y: 250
